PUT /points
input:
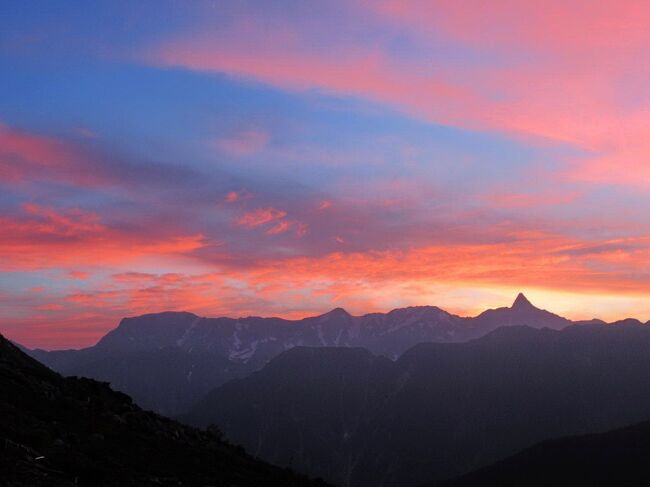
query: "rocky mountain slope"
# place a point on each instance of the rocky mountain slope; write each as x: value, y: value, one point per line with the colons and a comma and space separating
x: 57, y: 431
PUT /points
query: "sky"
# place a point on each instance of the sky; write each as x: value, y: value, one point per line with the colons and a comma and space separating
x: 284, y: 158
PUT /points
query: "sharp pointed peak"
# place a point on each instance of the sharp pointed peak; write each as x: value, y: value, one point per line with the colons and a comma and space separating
x: 521, y: 302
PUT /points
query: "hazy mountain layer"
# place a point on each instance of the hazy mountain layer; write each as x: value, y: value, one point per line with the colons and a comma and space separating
x: 167, y: 361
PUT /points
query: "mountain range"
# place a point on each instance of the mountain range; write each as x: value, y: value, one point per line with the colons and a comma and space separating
x: 168, y: 361
x: 416, y: 396
x: 57, y: 431
x: 441, y: 410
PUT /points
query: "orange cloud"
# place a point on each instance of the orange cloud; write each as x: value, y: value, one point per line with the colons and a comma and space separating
x: 464, y: 278
x: 260, y: 217
x: 263, y: 216
x: 43, y: 237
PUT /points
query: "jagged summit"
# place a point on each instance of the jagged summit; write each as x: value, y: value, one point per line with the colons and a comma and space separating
x: 522, y: 303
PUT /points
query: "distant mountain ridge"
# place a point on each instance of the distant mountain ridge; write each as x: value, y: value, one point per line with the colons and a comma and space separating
x: 167, y: 361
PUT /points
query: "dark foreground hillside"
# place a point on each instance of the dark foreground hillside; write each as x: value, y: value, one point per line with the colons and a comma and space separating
x: 69, y: 431
x: 618, y: 457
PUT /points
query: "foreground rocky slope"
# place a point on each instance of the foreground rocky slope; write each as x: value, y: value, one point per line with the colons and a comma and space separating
x: 57, y: 431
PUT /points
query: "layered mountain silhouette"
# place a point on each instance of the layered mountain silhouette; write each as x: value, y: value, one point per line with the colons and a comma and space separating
x: 414, y: 396
x: 440, y: 410
x: 618, y: 457
x: 68, y: 431
x: 168, y: 361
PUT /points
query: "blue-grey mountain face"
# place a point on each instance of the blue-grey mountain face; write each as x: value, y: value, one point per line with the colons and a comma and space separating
x: 167, y: 361
x: 441, y: 409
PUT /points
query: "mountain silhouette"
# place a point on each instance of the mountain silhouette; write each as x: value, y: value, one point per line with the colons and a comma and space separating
x: 522, y: 312
x: 441, y: 409
x: 168, y: 361
x: 521, y: 303
x: 69, y: 431
x: 618, y: 457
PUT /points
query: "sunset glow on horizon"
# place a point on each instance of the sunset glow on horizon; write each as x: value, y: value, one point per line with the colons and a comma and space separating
x: 286, y: 158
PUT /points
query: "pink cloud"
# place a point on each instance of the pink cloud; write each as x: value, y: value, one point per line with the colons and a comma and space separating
x: 21, y: 153
x: 43, y: 237
x: 552, y: 25
x: 82, y: 276
x: 27, y: 157
x: 507, y: 199
x: 559, y: 71
x: 370, y: 74
x: 260, y: 216
x: 301, y: 229
x: 263, y: 216
x: 232, y: 197
x: 237, y: 196
x: 280, y: 227
x: 50, y: 307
